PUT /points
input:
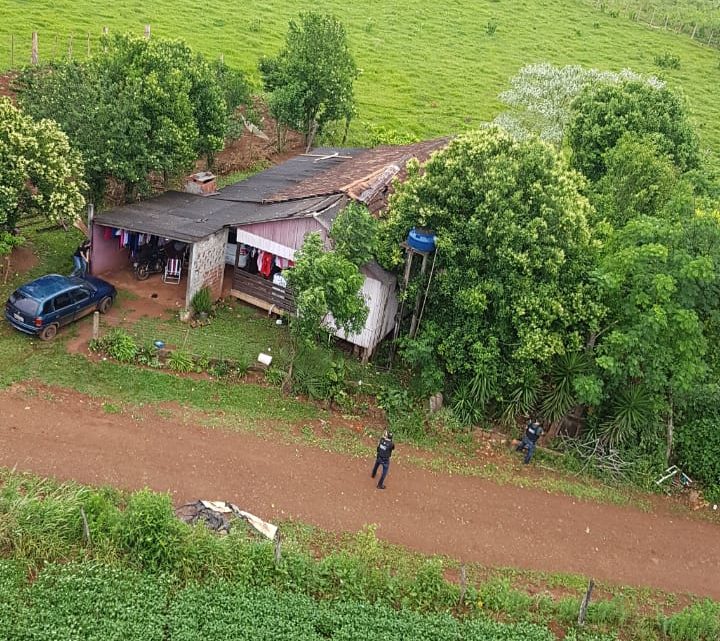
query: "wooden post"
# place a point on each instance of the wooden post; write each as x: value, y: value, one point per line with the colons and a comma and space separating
x: 278, y: 547
x: 666, y: 21
x: 34, y: 56
x: 712, y: 33
x: 463, y: 584
x: 86, y: 527
x: 692, y: 37
x: 418, y: 298
x: 96, y: 325
x: 652, y: 18
x: 222, y: 58
x: 585, y: 602
x: 147, y: 31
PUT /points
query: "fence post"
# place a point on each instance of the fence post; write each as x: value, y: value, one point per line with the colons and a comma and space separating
x: 585, y: 602
x: 96, y: 325
x: 85, y: 526
x: 34, y: 56
x: 278, y: 547
x: 147, y: 31
x: 712, y: 33
x: 692, y: 37
x: 463, y: 584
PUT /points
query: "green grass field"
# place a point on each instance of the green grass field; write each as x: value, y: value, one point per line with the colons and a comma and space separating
x: 426, y: 69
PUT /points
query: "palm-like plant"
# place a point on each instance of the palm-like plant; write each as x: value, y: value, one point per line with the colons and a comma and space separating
x: 633, y: 416
x: 560, y: 395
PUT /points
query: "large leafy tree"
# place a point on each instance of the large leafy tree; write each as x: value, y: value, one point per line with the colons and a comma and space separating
x: 138, y: 107
x: 39, y: 172
x: 325, y: 283
x: 511, y: 292
x: 310, y: 81
x: 603, y: 113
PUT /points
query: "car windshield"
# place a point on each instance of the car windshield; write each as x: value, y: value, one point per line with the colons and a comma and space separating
x: 23, y: 303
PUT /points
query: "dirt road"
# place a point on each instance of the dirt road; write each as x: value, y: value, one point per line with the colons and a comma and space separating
x: 470, y: 519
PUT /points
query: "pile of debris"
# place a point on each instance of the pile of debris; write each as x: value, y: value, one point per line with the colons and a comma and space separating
x: 218, y: 516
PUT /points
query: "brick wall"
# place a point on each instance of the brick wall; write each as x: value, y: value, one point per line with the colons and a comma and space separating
x: 207, y: 265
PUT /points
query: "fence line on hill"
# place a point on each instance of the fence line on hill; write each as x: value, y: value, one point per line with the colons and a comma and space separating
x: 704, y: 33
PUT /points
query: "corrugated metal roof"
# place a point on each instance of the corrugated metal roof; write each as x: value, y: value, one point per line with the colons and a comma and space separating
x: 306, y: 185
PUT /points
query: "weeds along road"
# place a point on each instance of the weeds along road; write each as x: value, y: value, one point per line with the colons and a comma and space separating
x: 71, y: 437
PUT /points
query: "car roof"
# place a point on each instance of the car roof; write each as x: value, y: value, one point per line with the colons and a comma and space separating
x: 48, y: 286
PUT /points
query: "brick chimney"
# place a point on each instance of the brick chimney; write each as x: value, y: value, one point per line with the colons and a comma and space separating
x: 202, y: 183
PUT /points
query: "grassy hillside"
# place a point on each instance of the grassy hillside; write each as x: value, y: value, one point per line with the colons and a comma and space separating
x: 424, y: 70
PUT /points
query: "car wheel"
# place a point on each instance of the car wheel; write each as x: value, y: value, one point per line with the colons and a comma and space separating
x: 48, y: 333
x: 105, y: 305
x: 142, y: 272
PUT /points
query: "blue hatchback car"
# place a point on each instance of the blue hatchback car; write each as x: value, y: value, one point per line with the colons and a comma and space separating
x: 49, y: 302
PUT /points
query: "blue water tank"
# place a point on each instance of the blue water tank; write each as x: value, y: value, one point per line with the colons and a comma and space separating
x: 422, y: 240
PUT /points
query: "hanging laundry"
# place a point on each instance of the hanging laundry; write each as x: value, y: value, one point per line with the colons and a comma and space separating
x: 267, y: 264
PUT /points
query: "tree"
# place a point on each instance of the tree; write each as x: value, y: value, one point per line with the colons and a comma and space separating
x: 324, y: 282
x: 138, y: 107
x: 512, y: 290
x: 354, y: 234
x: 603, y: 113
x: 310, y: 82
x: 39, y: 172
x: 640, y: 181
x: 541, y: 95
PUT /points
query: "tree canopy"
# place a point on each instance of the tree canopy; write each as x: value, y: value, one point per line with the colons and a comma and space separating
x: 310, y: 82
x: 512, y: 290
x: 603, y: 113
x: 138, y: 107
x: 325, y: 282
x: 39, y: 172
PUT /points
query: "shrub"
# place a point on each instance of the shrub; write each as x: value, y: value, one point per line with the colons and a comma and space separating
x: 180, y: 361
x: 150, y: 532
x: 667, y: 60
x: 698, y: 622
x: 201, y: 302
x: 317, y: 374
x: 696, y: 445
x: 120, y: 345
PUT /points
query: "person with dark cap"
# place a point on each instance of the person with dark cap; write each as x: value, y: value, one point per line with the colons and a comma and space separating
x: 533, y: 432
x: 384, y: 452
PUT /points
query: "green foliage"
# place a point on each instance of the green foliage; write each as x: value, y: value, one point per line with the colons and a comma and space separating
x: 201, y: 302
x: 633, y: 417
x: 667, y: 60
x: 118, y: 344
x: 354, y: 234
x: 149, y: 531
x: 180, y: 361
x: 8, y: 241
x: 604, y: 113
x: 40, y: 173
x: 541, y: 95
x: 316, y: 373
x: 157, y: 105
x: 639, y: 181
x: 324, y: 282
x: 697, y: 622
x: 511, y: 291
x: 310, y: 82
x: 696, y: 445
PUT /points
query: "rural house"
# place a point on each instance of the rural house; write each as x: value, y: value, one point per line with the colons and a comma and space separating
x: 257, y: 225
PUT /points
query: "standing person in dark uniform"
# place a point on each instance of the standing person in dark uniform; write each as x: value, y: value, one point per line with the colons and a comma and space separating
x: 81, y: 258
x: 533, y: 432
x: 384, y: 452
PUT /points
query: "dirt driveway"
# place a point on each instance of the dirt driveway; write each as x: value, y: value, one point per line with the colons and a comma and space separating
x: 68, y: 436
